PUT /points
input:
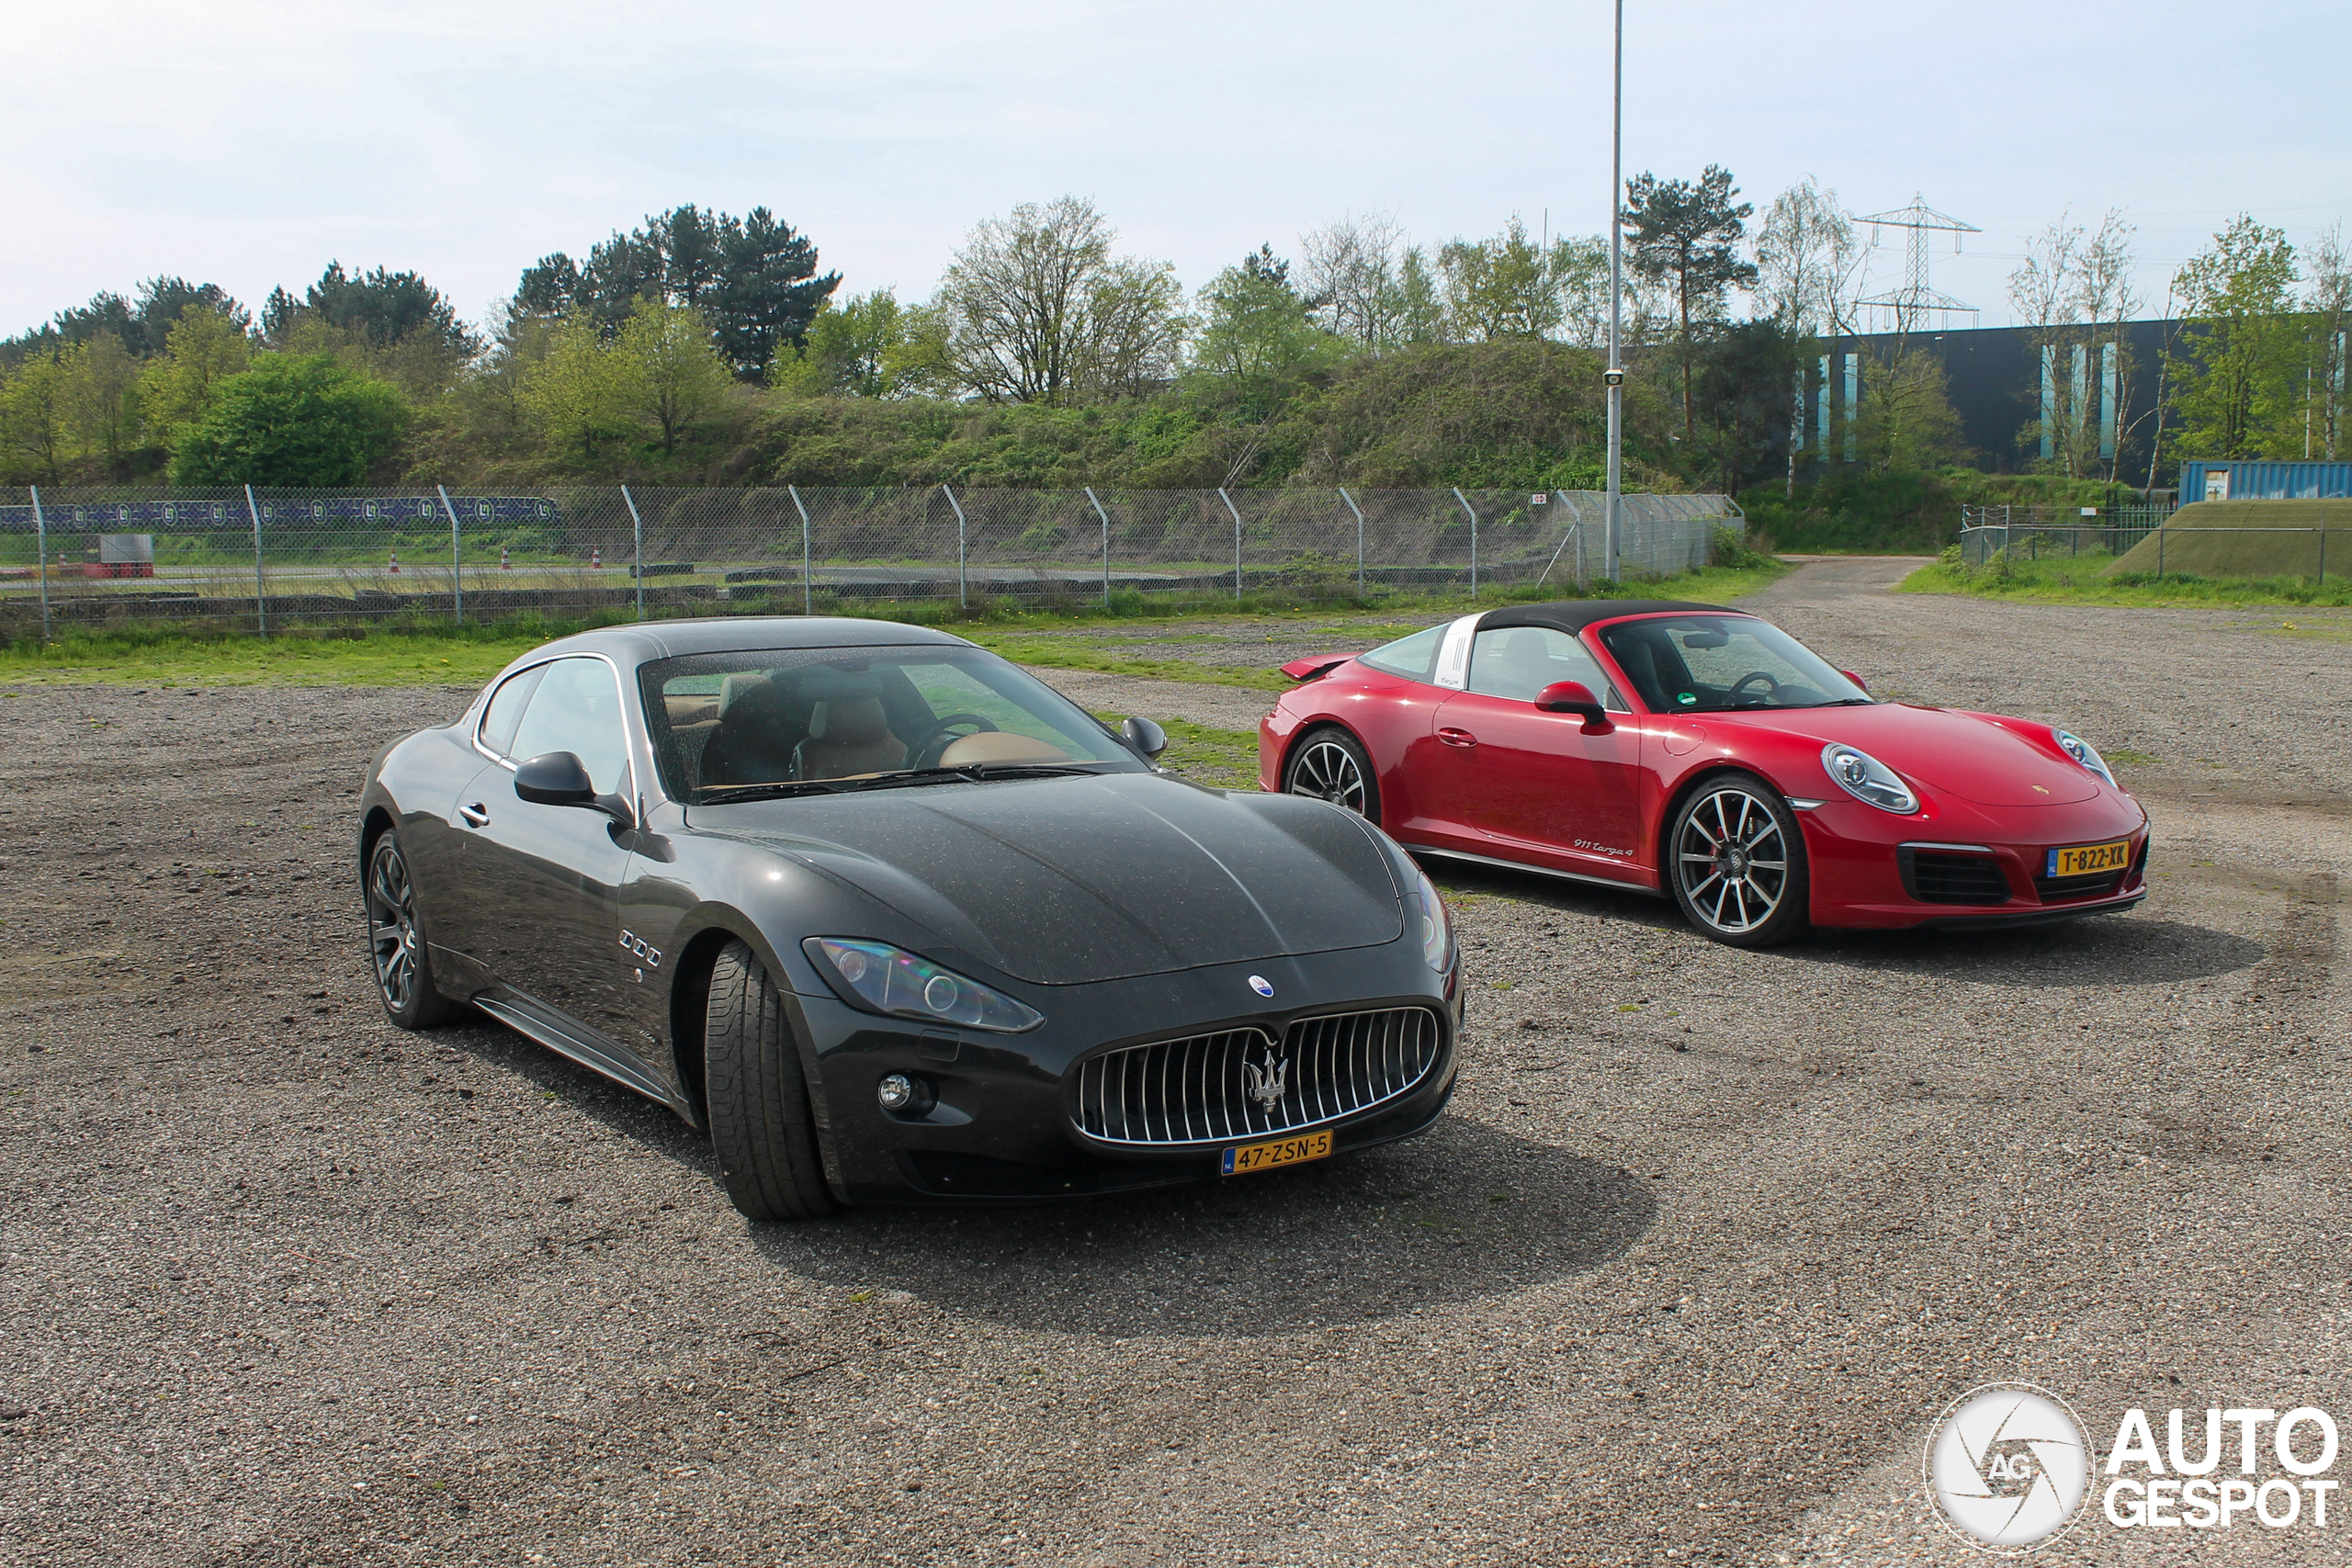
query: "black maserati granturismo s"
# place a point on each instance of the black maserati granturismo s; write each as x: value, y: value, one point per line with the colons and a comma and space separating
x: 895, y: 922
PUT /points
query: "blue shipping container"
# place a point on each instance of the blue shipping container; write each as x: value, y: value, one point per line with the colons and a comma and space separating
x: 2264, y: 481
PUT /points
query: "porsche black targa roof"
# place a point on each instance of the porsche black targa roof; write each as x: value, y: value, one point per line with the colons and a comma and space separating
x: 1575, y: 615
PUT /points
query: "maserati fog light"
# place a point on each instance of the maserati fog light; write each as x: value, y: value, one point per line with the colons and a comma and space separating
x: 903, y: 1094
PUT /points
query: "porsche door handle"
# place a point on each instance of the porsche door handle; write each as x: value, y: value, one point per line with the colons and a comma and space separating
x: 476, y: 816
x: 1461, y: 737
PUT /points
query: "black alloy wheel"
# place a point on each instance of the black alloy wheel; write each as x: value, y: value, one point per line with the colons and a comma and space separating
x: 396, y: 944
x: 1330, y: 765
x: 760, y: 1125
x: 1737, y: 862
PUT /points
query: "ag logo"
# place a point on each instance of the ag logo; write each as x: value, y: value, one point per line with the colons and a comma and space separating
x: 2007, y: 1466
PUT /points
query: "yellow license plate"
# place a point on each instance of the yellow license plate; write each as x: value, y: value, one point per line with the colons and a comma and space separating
x: 1282, y: 1151
x: 2089, y: 859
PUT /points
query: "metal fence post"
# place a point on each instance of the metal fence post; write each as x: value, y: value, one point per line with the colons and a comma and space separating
x: 457, y: 562
x: 1106, y: 544
x: 1237, y: 541
x: 963, y: 599
x: 807, y: 594
x: 1474, y: 539
x: 41, y: 538
x: 637, y: 529
x: 261, y: 597
x: 1359, y: 512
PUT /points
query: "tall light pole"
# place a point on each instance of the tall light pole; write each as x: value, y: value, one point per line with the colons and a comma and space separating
x: 1615, y: 375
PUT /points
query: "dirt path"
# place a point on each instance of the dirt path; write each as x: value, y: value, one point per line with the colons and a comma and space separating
x: 1707, y: 1241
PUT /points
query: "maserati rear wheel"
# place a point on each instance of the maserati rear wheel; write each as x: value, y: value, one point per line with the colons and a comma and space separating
x: 396, y: 947
x: 1331, y: 765
x: 1735, y: 858
x: 760, y: 1126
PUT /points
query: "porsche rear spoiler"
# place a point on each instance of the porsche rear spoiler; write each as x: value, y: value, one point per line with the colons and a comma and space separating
x: 1316, y: 666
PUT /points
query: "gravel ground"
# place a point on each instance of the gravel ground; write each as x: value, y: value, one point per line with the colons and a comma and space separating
x: 1706, y: 1242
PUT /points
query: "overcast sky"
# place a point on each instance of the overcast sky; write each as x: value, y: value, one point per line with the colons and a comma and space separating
x: 248, y: 142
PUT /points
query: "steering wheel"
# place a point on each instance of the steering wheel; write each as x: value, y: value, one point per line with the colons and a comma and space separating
x: 935, y: 741
x: 1764, y: 675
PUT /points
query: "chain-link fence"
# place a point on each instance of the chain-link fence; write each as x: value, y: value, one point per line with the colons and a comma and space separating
x: 2158, y: 547
x: 274, y: 559
x: 2056, y: 531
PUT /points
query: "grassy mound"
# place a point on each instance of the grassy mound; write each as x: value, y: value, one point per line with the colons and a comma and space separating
x: 2238, y: 545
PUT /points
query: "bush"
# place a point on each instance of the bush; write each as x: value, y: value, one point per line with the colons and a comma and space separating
x: 293, y: 421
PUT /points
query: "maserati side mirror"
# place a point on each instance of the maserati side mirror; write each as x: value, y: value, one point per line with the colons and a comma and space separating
x: 1145, y: 737
x: 1575, y: 697
x: 560, y: 778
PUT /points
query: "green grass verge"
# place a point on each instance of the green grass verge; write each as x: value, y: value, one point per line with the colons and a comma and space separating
x: 432, y: 655
x: 1223, y: 759
x: 2083, y: 581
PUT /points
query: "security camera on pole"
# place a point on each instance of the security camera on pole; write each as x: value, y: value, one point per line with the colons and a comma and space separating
x: 1615, y: 375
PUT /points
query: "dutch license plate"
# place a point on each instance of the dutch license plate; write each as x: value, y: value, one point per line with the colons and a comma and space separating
x: 1281, y: 1151
x: 2089, y: 859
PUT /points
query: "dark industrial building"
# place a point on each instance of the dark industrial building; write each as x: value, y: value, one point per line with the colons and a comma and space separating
x: 2002, y: 381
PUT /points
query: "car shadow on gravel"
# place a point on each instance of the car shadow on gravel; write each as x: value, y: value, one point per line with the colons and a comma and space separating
x: 1462, y: 1212
x: 2101, y: 950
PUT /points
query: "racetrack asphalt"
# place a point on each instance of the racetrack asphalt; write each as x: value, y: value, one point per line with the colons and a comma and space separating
x: 1706, y: 1242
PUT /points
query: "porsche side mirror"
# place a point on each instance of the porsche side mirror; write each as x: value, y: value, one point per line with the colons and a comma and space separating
x: 1575, y: 697
x: 560, y: 778
x: 1145, y: 737
x: 1857, y: 680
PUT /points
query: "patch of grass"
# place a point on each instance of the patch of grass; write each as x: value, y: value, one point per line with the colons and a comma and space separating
x: 2084, y: 580
x: 1221, y: 759
x: 428, y: 654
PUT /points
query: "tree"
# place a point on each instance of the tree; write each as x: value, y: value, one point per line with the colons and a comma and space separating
x: 380, y: 309
x: 102, y: 397
x: 1501, y: 288
x: 572, y: 392
x: 1686, y: 234
x: 179, y: 386
x: 1349, y: 273
x: 1906, y: 421
x: 668, y: 374
x: 2240, y: 364
x: 33, y: 414
x: 1744, y: 373
x: 768, y: 291
x: 2329, y: 307
x: 1806, y: 261
x: 864, y: 347
x: 291, y: 419
x: 1036, y: 309
x: 2075, y: 291
x: 1260, y: 333
x: 142, y: 324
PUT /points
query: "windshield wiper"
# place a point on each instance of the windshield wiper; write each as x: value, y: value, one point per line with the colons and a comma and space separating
x: 970, y: 773
x: 735, y: 795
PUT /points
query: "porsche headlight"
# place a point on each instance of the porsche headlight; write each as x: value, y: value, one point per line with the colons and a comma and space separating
x: 2080, y: 749
x: 1868, y: 780
x: 1437, y: 927
x: 892, y: 980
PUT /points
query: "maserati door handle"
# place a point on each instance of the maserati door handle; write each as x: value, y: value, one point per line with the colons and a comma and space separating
x: 476, y: 816
x: 1462, y: 738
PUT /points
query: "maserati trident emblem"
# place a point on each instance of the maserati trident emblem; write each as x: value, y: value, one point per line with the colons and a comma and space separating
x: 1263, y: 985
x: 1265, y: 1083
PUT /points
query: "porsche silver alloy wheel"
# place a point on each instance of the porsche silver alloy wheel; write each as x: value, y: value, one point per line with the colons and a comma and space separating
x: 1329, y: 771
x: 392, y: 933
x: 1733, y: 858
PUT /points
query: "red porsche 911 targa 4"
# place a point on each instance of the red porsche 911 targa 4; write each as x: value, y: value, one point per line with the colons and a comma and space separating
x: 1705, y: 754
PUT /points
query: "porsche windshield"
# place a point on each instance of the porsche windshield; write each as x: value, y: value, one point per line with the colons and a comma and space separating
x: 743, y: 724
x: 1719, y: 663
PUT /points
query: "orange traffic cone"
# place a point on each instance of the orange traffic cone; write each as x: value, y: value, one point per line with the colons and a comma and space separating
x: 396, y: 563
x: 596, y: 560
x: 504, y: 564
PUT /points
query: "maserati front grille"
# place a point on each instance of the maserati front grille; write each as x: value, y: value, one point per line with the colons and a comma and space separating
x: 1242, y: 1083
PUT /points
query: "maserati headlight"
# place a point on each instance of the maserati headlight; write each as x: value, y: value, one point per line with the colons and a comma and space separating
x: 1437, y: 927
x: 2080, y: 749
x: 1867, y: 779
x: 892, y: 980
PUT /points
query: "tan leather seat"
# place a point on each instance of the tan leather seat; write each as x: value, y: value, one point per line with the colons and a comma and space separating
x: 847, y: 735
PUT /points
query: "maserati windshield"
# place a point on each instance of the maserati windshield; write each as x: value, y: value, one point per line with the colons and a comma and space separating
x: 767, y: 722
x: 1721, y: 663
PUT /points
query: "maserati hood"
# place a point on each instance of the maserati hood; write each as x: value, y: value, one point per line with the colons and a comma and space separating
x: 1064, y: 881
x: 1968, y: 755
